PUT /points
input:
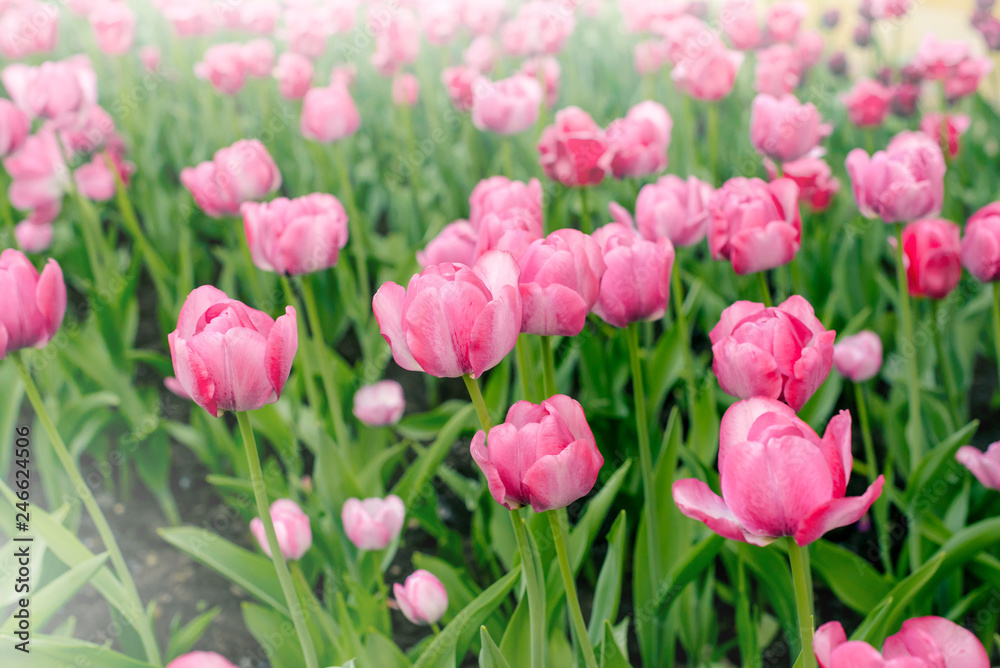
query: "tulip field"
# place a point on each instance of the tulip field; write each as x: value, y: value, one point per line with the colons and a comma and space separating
x: 499, y: 333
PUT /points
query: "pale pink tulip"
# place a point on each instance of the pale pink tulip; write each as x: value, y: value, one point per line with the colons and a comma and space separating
x: 291, y: 527
x: 779, y: 70
x: 784, y: 129
x: 371, y: 524
x: 380, y: 403
x: 405, y: 90
x: 32, y: 305
x: 980, y: 252
x: 902, y: 183
x: 294, y: 73
x: 508, y: 106
x: 200, y: 660
x: 638, y: 143
x: 984, y: 465
x: 422, y: 599
x: 755, y: 224
x: 224, y: 67
x: 295, y: 236
x: 858, y: 357
x: 329, y: 114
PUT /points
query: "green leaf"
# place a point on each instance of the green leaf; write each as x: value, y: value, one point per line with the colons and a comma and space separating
x: 873, y: 628
x: 52, y: 597
x: 851, y: 578
x: 489, y: 655
x: 382, y: 652
x: 59, y: 651
x: 412, y: 485
x: 184, y: 638
x: 608, y: 592
x: 612, y: 655
x: 275, y: 634
x: 933, y: 463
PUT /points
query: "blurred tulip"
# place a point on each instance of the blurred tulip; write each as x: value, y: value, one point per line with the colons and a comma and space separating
x: 295, y: 236
x: 831, y: 18
x: 755, y: 224
x: 924, y: 642
x: 228, y: 356
x: 224, y: 67
x: 329, y: 114
x: 539, y: 27
x: 380, y: 403
x: 931, y: 250
x: 784, y: 129
x: 782, y: 352
x: 686, y: 37
x: 511, y: 230
x: 980, y: 251
x: 809, y: 47
x: 710, y: 74
x: 675, y: 209
x: 636, y: 283
x: 94, y: 180
x: 371, y: 524
x: 542, y: 455
x: 114, y: 27
x: 14, y: 127
x: 58, y: 90
x: 200, y: 660
x: 508, y: 106
x: 648, y: 56
x: 867, y: 103
x: 779, y: 70
x: 440, y: 20
x: 451, y: 319
x: 779, y: 478
x: 422, y: 598
x: 498, y: 194
x: 571, y: 148
x: 258, y: 57
x: 32, y: 305
x: 458, y: 81
x: 305, y: 31
x: 902, y: 183
x: 545, y: 68
x: 481, y: 54
x: 936, y: 59
x: 638, y: 143
x: 904, y: 99
x: 294, y: 73
x: 150, y: 57
x: 455, y: 243
x: 405, y: 90
x: 39, y: 176
x: 946, y: 129
x: 33, y: 237
x: 28, y: 28
x: 858, y: 357
x: 291, y: 527
x: 813, y: 176
x: 984, y: 465
x: 483, y: 17
x: 966, y: 77
x: 397, y: 42
x: 259, y: 16
x: 784, y: 18
x: 741, y: 25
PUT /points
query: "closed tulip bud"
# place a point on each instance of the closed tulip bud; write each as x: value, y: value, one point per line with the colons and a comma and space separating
x: 863, y: 34
x: 709, y: 73
x: 902, y: 183
x: 778, y: 477
x: 508, y: 106
x: 984, y: 465
x: 674, y: 208
x: 498, y: 194
x: 980, y: 251
x: 542, y: 455
x: 291, y: 527
x: 371, y: 524
x: 456, y: 243
x: 14, y: 127
x: 295, y: 236
x: 755, y: 224
x: 931, y: 251
x: 781, y: 352
x: 923, y: 642
x: 570, y: 149
x: 405, y: 90
x: 200, y: 660
x: 239, y: 173
x: 784, y: 129
x: 33, y: 237
x: 638, y: 143
x: 451, y: 319
x: 32, y: 305
x: 636, y: 283
x: 329, y: 114
x: 56, y: 90
x: 224, y: 67
x: 858, y: 357
x: 837, y: 64
x: 228, y: 356
x: 813, y: 176
x: 294, y: 73
x: 258, y: 57
x: 946, y: 129
x: 560, y: 282
x: 422, y: 598
x: 114, y: 27
x: 779, y: 70
x: 380, y: 403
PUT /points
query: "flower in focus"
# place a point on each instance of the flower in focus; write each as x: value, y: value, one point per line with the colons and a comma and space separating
x: 924, y: 642
x: 32, y: 305
x: 902, y: 183
x: 638, y: 143
x: 570, y: 149
x: 455, y: 243
x: 380, y: 403
x: 812, y: 175
x: 371, y: 524
x: 295, y: 236
x: 291, y: 526
x: 931, y: 249
x: 755, y: 224
x: 674, y: 208
x: 636, y: 282
x: 422, y: 598
x: 239, y: 173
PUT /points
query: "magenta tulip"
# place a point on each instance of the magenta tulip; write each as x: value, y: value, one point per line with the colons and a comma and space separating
x: 32, y: 305
x: 784, y: 129
x: 967, y: 77
x: 201, y: 660
x: 984, y: 465
x: 674, y: 208
x: 379, y: 404
x: 570, y: 149
x: 779, y: 478
x: 542, y: 455
x: 228, y: 356
x: 291, y: 527
x: 931, y: 249
x: 980, y: 252
x: 858, y: 357
x: 782, y: 352
x: 456, y: 243
x: 295, y: 236
x: 638, y: 143
x: 422, y: 599
x: 451, y: 319
x: 867, y: 103
x: 636, y: 283
x: 755, y: 224
x: 371, y: 524
x: 923, y: 642
x: 813, y: 176
x: 329, y: 114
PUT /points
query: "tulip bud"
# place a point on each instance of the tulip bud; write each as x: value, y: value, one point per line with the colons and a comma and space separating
x: 422, y: 599
x: 329, y: 114
x: 638, y: 143
x: 291, y: 526
x: 570, y: 149
x: 32, y: 305
x: 371, y: 524
x: 379, y: 404
x: 784, y: 129
x: 200, y: 660
x: 295, y: 236
x: 980, y: 251
x: 984, y: 465
x: 931, y: 251
x: 636, y: 284
x: 858, y: 357
x: 902, y: 183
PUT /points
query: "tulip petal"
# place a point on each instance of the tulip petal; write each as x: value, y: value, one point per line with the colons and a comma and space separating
x: 388, y: 307
x: 980, y: 465
x: 4, y: 339
x: 827, y: 638
x: 924, y: 637
x: 282, y: 343
x: 555, y: 481
x: 246, y: 369
x: 553, y: 310
x: 50, y: 296
x: 810, y: 370
x: 482, y: 457
x: 195, y: 306
x: 697, y: 500
x: 733, y: 316
x: 745, y: 371
x: 192, y: 374
x: 856, y: 654
x: 837, y: 513
x: 836, y: 446
x: 738, y: 420
x: 495, y: 331
x: 759, y: 249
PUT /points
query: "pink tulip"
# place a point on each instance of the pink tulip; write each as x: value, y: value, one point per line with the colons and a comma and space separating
x: 451, y: 319
x: 59, y: 90
x: 924, y: 642
x: 809, y: 47
x: 38, y: 172
x: 946, y: 129
x: 223, y: 66
x: 902, y: 183
x: 741, y: 25
x: 483, y: 17
x: 498, y: 194
x: 931, y: 251
x: 890, y: 9
x: 90, y: 131
x: 675, y: 209
x: 190, y: 18
x: 755, y: 224
x: 966, y: 77
x: 539, y: 27
x: 150, y: 57
x: 508, y: 106
x: 685, y: 38
x: 640, y: 15
x: 784, y: 18
x: 571, y: 148
x: 258, y: 57
x: 980, y: 251
x: 33, y: 237
x: 560, y: 282
x: 259, y: 16
x: 294, y: 73
x: 422, y: 599
x: 250, y: 168
x: 779, y: 70
x: 708, y: 73
x: 295, y: 236
x: 481, y: 53
x: 784, y: 129
x: 28, y: 28
x: 511, y: 230
x: 779, y: 478
x: 405, y: 90
x: 867, y: 103
x: 638, y: 143
x: 200, y: 660
x: 291, y: 527
x: 14, y: 127
x: 380, y: 403
x: 937, y: 59
x: 459, y: 81
x: 305, y: 31
x: 858, y: 357
x: 984, y: 465
x: 545, y: 69
x: 32, y: 305
x: 782, y: 352
x: 343, y: 75
x: 455, y: 243
x: 94, y: 180
x: 440, y: 20
x: 371, y: 524
x: 649, y: 56
x: 114, y: 27
x: 542, y: 455
x: 228, y: 356
x: 329, y: 114
x: 636, y: 283
x: 397, y: 42
x: 813, y: 176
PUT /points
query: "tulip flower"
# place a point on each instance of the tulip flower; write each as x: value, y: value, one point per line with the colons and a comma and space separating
x: 636, y: 284
x: 57, y: 90
x: 452, y: 320
x: 984, y: 465
x: 39, y: 176
x: 295, y: 236
x: 114, y: 27
x: 455, y: 243
x: 858, y: 357
x: 966, y: 77
x: 779, y: 70
x: 648, y: 57
x: 931, y: 249
x: 560, y: 282
x: 545, y: 69
x: 980, y: 252
x: 674, y: 208
x: 570, y: 149
x: 397, y: 41
x: 539, y: 27
x: 923, y: 642
x: 481, y: 53
x: 228, y: 356
x: 638, y: 143
x: 784, y: 18
x: 946, y: 129
x: 812, y: 175
x: 258, y: 57
x: 508, y: 106
x: 809, y: 47
x: 294, y: 73
x: 542, y: 455
x: 511, y: 230
x: 867, y: 103
x: 27, y: 28
x: 936, y: 58
x: 755, y: 224
x: 329, y: 114
x: 200, y: 660
x: 902, y: 183
x: 291, y: 526
x: 484, y: 16
x: 224, y: 67
x: 779, y: 478
x: 740, y: 23
x: 32, y: 305
x: 405, y: 90
x: 458, y: 81
x: 709, y: 73
x: 784, y: 129
x: 371, y: 524
x: 498, y: 194
x: 781, y: 352
x: 14, y: 127
x: 33, y: 237
x: 242, y: 172
x: 422, y: 598
x: 380, y: 403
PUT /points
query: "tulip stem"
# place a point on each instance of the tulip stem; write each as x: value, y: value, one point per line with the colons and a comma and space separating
x: 436, y: 629
x: 264, y: 511
x: 137, y: 617
x: 548, y: 368
x: 996, y: 323
x: 93, y: 237
x: 536, y: 605
x: 861, y: 401
x: 329, y: 382
x: 685, y: 341
x: 946, y: 369
x: 645, y: 453
x: 5, y: 210
x: 357, y: 230
x: 915, y: 430
x: 765, y: 291
x: 477, y: 399
x: 569, y: 584
x: 584, y: 211
x: 523, y: 367
x: 797, y: 557
x: 713, y: 140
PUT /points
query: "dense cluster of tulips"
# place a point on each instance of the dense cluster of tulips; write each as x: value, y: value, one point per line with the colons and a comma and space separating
x: 303, y: 220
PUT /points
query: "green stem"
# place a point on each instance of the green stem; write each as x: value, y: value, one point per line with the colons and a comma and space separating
x: 536, y: 609
x: 5, y: 209
x: 881, y: 529
x: 137, y: 617
x: 98, y: 255
x: 329, y: 382
x: 570, y: 585
x: 914, y: 426
x: 548, y: 368
x: 797, y: 558
x: 250, y: 269
x: 954, y: 403
x: 436, y: 629
x: 996, y: 323
x: 523, y: 368
x: 477, y: 400
x: 585, y: 225
x: 713, y: 140
x: 264, y: 511
x: 507, y: 156
x: 765, y: 291
x: 685, y: 341
x: 357, y: 229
